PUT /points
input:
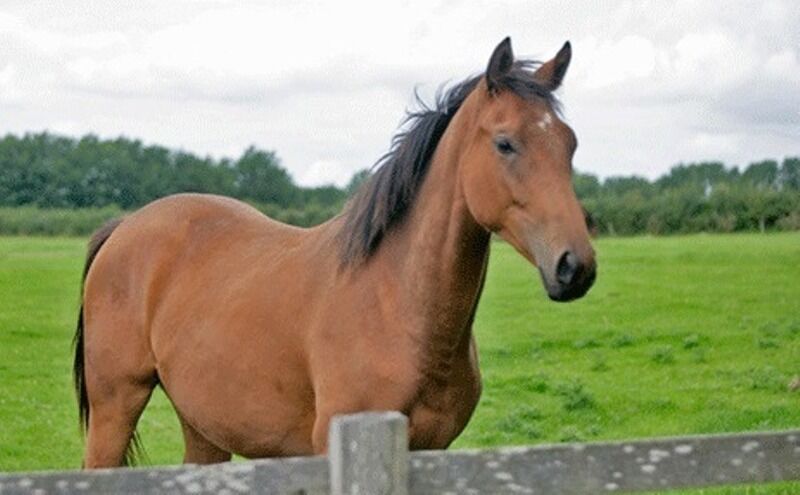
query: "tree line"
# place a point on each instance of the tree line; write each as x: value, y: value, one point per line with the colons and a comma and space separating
x: 49, y: 171
x: 49, y: 174
x: 697, y: 197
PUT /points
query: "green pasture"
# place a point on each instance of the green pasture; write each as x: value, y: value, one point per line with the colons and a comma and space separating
x: 680, y: 335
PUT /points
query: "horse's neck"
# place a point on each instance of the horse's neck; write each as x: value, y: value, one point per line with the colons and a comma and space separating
x: 439, y: 257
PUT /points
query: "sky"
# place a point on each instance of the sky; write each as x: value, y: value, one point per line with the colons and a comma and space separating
x: 325, y: 84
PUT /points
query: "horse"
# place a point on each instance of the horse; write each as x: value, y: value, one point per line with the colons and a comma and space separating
x: 260, y: 332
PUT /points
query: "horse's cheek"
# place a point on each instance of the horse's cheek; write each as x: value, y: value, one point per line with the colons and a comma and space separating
x: 486, y: 195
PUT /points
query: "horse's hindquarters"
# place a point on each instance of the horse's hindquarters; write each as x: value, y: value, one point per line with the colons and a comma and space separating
x: 174, y: 298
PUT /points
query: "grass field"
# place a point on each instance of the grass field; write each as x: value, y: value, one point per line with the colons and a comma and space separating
x: 696, y: 334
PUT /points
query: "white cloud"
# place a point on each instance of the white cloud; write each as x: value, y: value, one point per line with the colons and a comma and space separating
x: 616, y: 62
x: 709, y: 145
x: 713, y: 60
x: 9, y: 92
x: 783, y: 65
x: 325, y: 84
x: 326, y: 172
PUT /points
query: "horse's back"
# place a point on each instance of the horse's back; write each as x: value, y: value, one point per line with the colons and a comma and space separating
x: 181, y: 249
x: 189, y: 247
x: 184, y: 232
x: 196, y: 215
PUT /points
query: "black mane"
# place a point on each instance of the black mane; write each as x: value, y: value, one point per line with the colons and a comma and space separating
x: 384, y: 199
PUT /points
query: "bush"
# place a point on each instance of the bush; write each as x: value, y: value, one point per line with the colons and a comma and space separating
x: 308, y: 216
x: 29, y: 220
x: 35, y: 221
x: 789, y: 222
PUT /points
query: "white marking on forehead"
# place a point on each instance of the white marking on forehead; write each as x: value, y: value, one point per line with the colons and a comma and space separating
x: 546, y: 121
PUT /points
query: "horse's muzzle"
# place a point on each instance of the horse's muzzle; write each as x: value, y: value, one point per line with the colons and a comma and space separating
x: 573, y: 278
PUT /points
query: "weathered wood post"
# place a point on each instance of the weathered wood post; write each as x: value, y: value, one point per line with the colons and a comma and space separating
x: 368, y: 454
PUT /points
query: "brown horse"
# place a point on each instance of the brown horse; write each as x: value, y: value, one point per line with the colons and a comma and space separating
x: 260, y: 332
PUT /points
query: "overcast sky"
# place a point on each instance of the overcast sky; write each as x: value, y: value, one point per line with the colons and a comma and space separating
x: 325, y: 85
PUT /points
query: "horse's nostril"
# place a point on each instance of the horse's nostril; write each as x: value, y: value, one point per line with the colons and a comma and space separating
x: 568, y: 266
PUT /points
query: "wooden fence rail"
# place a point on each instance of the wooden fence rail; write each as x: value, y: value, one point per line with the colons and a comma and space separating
x: 368, y: 455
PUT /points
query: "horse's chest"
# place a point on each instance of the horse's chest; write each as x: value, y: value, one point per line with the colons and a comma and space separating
x: 442, y: 410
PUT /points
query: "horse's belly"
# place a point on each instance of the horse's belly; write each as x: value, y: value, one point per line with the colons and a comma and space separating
x: 243, y: 389
x: 251, y: 415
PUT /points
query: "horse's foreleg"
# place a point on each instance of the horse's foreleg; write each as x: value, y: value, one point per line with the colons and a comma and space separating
x: 198, y: 449
x: 319, y: 435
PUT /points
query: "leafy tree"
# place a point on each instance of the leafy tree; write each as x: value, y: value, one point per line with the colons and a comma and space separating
x: 762, y: 174
x: 618, y: 186
x: 790, y: 174
x: 356, y: 181
x: 260, y: 177
x: 586, y: 185
x: 699, y: 176
x: 323, y: 195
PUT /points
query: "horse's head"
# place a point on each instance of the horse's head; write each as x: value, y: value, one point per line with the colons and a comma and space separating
x: 516, y: 173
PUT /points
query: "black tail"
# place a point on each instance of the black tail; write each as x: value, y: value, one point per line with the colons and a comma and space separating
x: 99, y: 238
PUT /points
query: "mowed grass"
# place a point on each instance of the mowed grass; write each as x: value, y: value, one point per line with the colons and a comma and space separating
x: 680, y: 335
x: 39, y: 295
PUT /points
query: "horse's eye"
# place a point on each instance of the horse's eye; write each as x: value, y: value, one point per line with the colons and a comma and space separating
x: 504, y: 146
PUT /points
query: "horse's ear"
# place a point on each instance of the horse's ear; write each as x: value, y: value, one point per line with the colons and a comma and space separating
x: 499, y: 64
x: 551, y: 73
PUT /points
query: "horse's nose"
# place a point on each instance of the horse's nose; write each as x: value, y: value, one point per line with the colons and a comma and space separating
x: 574, y: 277
x: 568, y: 267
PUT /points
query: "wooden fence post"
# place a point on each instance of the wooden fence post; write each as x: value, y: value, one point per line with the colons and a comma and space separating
x: 368, y: 454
